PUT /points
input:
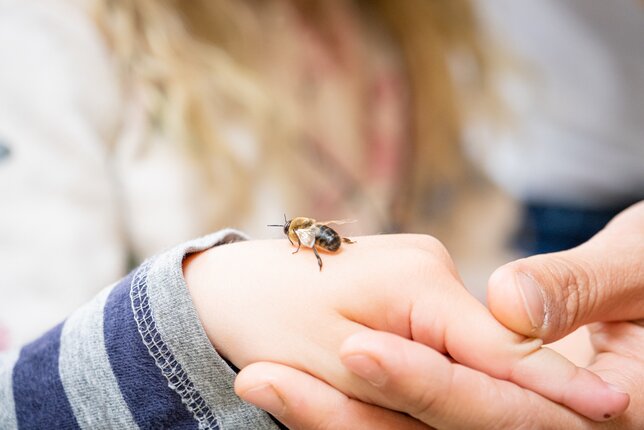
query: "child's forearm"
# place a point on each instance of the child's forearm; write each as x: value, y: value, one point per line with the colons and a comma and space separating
x: 136, y: 355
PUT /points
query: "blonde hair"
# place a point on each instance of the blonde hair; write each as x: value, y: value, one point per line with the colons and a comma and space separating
x: 195, y: 61
x: 429, y: 33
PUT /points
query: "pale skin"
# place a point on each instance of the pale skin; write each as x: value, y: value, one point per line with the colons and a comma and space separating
x: 602, y: 280
x: 260, y: 303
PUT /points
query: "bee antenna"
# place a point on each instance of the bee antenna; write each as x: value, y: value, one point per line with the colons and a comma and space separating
x: 285, y: 221
x: 274, y: 225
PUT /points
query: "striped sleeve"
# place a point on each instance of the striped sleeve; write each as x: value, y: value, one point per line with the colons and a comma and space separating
x: 136, y: 356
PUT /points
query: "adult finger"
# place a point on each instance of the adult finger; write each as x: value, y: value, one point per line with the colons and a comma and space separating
x: 551, y: 295
x: 623, y: 338
x: 301, y: 401
x: 416, y: 379
x: 620, y: 360
x: 475, y: 339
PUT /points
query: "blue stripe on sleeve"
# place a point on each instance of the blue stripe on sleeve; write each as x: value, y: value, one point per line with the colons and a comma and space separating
x: 38, y: 392
x: 144, y: 388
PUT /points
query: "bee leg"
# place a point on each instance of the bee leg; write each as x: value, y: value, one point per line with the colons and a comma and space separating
x: 347, y: 240
x: 289, y: 239
x: 299, y: 244
x: 318, y: 257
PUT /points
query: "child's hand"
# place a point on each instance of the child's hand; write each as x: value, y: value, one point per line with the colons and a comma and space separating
x: 258, y: 302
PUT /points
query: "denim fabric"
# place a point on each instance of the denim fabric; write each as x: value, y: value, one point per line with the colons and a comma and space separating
x: 550, y: 228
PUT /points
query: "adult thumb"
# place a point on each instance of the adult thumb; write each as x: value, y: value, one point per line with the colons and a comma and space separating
x: 550, y: 295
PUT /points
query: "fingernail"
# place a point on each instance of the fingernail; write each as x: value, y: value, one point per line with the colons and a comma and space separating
x: 265, y: 397
x: 367, y: 368
x: 624, y: 399
x: 532, y: 298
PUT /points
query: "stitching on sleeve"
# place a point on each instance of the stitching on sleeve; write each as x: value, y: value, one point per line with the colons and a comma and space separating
x: 177, y: 377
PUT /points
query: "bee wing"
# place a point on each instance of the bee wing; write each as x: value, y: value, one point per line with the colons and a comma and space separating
x: 338, y: 221
x: 307, y: 236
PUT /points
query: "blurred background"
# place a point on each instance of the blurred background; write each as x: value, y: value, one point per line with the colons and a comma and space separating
x: 504, y: 128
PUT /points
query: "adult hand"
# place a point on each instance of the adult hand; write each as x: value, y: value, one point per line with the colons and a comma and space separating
x: 258, y: 302
x: 416, y: 379
x: 550, y: 295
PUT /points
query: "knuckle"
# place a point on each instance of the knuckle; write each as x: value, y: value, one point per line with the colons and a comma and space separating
x: 425, y: 405
x: 431, y: 244
x: 431, y: 248
x: 510, y: 417
x: 578, y: 288
x: 420, y: 257
x: 431, y: 400
x: 423, y: 267
x: 517, y: 418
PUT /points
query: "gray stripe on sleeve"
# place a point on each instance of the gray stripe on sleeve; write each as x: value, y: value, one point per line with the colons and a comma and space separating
x: 85, y: 371
x: 7, y: 406
x: 179, y: 326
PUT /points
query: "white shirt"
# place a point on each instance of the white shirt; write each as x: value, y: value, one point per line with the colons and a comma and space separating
x: 83, y: 189
x: 577, y: 96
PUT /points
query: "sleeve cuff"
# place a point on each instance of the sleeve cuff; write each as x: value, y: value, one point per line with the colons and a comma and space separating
x: 172, y: 332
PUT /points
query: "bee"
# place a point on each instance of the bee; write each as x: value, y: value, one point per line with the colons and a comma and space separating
x: 313, y: 234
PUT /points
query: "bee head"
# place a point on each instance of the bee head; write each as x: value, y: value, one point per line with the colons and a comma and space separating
x: 286, y: 226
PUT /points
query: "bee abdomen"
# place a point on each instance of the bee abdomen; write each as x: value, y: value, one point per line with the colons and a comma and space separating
x: 328, y: 239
